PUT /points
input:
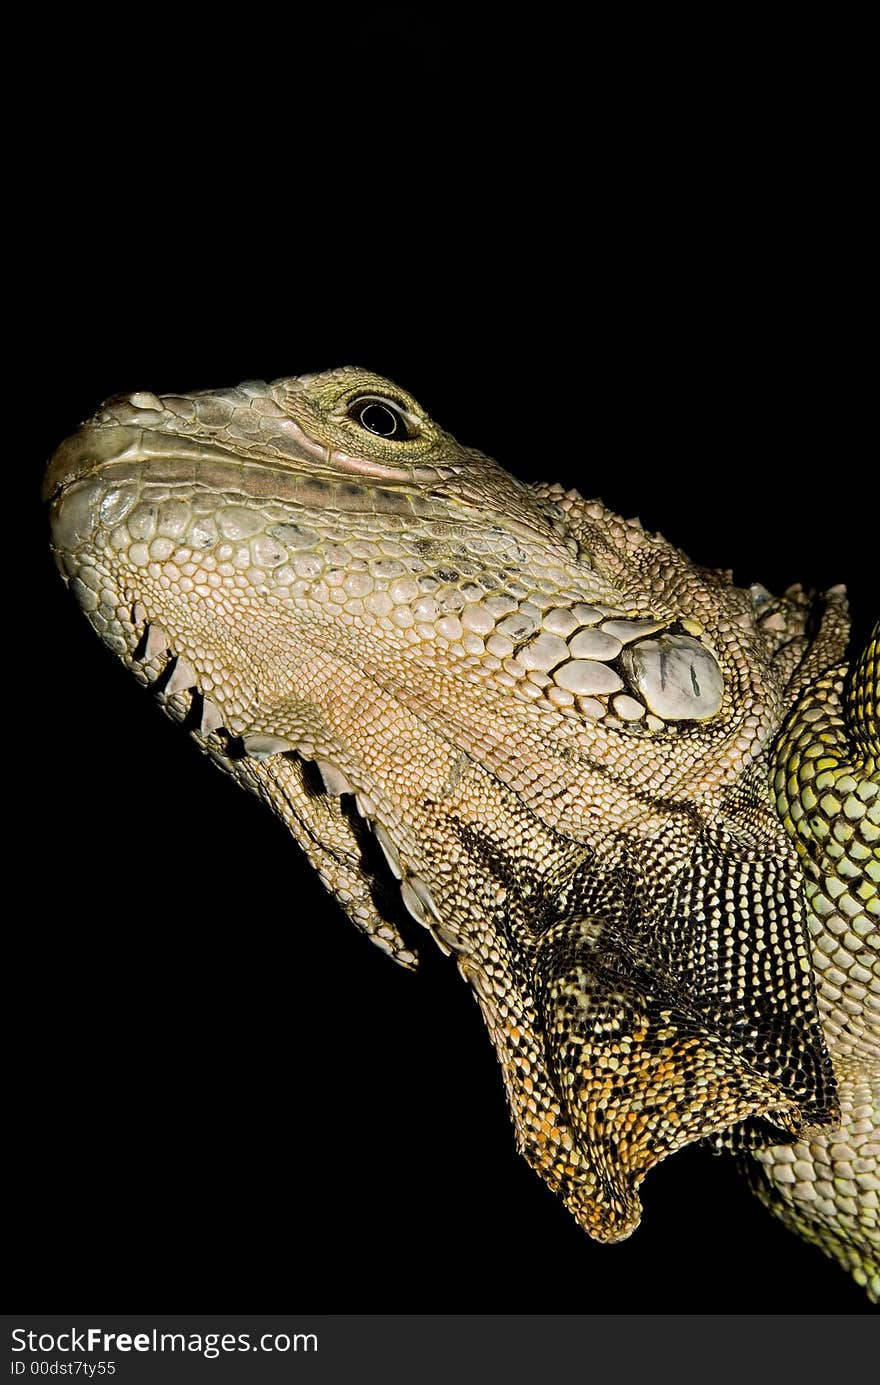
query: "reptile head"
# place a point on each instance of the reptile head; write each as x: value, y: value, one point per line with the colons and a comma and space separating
x: 549, y: 722
x: 220, y: 486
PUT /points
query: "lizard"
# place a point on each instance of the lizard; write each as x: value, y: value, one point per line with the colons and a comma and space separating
x: 638, y: 804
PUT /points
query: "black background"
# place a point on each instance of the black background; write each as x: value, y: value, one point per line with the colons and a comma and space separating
x: 634, y: 262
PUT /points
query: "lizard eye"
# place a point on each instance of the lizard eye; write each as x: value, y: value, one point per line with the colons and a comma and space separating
x: 382, y: 417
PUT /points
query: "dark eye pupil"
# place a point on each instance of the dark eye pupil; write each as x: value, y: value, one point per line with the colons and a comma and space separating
x: 380, y: 418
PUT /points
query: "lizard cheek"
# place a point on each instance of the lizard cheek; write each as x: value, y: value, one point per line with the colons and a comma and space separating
x: 677, y: 677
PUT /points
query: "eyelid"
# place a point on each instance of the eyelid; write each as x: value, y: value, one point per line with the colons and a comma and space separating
x: 368, y: 397
x: 412, y: 421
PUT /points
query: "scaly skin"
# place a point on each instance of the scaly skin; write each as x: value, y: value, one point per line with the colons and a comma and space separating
x: 828, y: 794
x: 558, y: 730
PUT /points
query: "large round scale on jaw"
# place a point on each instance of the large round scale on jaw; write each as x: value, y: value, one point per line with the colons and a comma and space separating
x: 677, y: 677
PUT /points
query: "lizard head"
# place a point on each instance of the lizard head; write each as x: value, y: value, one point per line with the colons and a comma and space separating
x: 221, y: 515
x: 549, y: 722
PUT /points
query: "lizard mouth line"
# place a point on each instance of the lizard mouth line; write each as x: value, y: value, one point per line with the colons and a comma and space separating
x: 89, y: 468
x: 291, y: 468
x: 166, y: 457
